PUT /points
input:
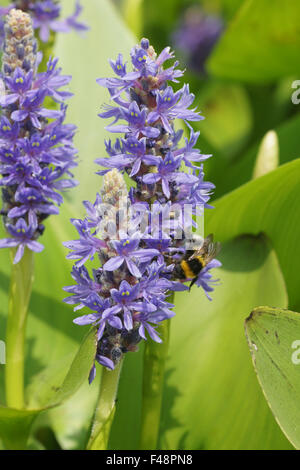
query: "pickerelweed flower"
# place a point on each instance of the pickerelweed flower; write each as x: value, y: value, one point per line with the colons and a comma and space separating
x: 46, y: 17
x: 36, y: 147
x: 140, y: 237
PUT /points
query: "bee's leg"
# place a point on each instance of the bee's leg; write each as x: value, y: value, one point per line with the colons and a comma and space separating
x: 193, y: 282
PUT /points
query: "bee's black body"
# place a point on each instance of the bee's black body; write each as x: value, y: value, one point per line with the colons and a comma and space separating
x: 189, y: 269
x: 194, y: 261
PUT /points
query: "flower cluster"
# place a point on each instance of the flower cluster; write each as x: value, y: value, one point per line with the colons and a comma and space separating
x: 46, y: 17
x: 141, y: 237
x: 36, y: 147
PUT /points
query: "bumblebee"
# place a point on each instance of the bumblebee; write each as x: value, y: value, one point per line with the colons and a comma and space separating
x: 195, y: 260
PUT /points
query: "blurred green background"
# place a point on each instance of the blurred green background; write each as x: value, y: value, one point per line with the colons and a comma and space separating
x: 241, y: 59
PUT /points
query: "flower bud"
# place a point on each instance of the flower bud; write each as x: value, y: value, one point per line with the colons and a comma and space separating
x: 20, y: 46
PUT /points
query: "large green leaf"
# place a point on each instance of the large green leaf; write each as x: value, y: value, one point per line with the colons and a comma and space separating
x: 49, y: 389
x: 212, y: 399
x: 61, y: 380
x: 132, y: 12
x: 271, y: 25
x: 230, y: 7
x: 240, y: 170
x: 274, y: 341
x: 228, y: 116
x: 15, y: 426
x: 71, y: 421
x: 269, y: 204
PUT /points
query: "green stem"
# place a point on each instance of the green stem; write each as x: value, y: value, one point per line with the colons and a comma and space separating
x: 155, y: 356
x: 47, y: 49
x: 106, y: 407
x: 19, y: 296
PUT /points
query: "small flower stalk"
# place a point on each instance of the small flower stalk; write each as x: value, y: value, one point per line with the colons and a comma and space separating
x: 141, y: 241
x: 36, y: 147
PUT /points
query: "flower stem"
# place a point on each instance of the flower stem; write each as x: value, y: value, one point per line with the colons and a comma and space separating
x: 19, y: 296
x: 105, y: 410
x: 155, y: 356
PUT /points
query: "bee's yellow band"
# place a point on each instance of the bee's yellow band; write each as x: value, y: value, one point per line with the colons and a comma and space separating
x: 201, y: 260
x: 187, y: 270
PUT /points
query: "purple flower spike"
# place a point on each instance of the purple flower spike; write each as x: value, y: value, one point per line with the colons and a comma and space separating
x: 140, y: 239
x: 36, y: 154
x: 46, y: 18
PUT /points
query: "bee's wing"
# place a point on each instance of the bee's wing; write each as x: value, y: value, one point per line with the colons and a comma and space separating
x: 208, y: 250
x: 209, y: 239
x: 194, y: 255
x: 213, y: 250
x: 203, y: 247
